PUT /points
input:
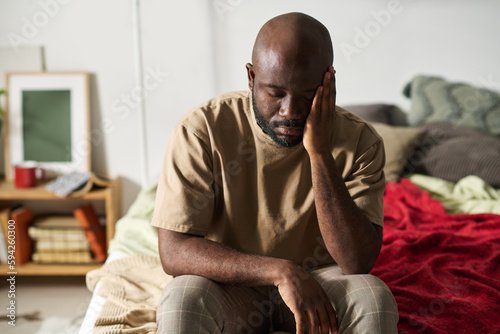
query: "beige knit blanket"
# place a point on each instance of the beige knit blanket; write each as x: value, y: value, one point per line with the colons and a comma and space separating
x: 132, y: 287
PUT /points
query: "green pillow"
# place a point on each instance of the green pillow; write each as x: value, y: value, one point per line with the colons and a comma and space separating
x: 434, y: 100
x: 399, y: 143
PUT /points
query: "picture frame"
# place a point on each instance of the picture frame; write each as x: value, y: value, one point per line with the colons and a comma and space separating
x: 47, y: 121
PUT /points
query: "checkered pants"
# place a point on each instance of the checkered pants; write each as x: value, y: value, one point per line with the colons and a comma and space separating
x: 193, y: 304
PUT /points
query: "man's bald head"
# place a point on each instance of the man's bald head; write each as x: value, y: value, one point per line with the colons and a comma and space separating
x: 295, y: 37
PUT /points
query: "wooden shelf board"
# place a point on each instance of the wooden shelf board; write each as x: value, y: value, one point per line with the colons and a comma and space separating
x: 33, y: 269
x: 8, y: 191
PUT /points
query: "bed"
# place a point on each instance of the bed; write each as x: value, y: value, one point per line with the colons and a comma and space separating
x: 441, y: 249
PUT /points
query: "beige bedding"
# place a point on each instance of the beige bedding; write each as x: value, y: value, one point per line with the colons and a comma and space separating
x: 132, y: 287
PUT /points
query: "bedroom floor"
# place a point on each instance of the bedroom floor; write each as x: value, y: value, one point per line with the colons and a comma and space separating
x: 46, y: 305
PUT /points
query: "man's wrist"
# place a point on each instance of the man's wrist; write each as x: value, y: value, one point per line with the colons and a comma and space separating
x: 320, y: 156
x: 289, y: 271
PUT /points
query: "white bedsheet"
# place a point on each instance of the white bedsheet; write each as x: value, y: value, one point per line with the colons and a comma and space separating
x: 97, y: 302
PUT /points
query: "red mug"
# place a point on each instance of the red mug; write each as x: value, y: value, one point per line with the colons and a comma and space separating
x: 27, y: 175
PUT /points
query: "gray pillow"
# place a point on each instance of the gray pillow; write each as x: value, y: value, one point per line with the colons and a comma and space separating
x: 380, y: 113
x: 452, y: 152
x: 435, y: 100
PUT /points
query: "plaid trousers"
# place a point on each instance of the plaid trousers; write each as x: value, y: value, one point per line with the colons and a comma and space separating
x: 194, y: 304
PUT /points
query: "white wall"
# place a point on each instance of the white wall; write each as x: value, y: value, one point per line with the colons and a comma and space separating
x: 457, y: 39
x: 199, y: 48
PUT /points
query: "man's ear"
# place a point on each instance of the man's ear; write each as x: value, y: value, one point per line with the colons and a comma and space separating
x: 251, y: 75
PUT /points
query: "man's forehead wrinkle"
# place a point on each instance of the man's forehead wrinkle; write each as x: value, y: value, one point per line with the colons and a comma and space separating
x: 271, y: 60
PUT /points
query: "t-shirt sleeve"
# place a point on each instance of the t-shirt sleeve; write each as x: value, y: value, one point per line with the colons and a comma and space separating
x: 366, y: 182
x: 185, y: 197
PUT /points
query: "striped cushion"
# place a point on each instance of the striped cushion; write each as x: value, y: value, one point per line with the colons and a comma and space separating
x: 452, y: 152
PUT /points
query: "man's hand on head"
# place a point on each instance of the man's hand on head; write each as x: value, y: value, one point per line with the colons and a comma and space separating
x: 319, y: 123
x: 307, y: 300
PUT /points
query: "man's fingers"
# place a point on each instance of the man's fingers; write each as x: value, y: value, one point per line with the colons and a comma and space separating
x: 324, y: 321
x: 325, y: 101
x: 333, y: 90
x: 313, y: 320
x: 332, y: 317
x: 300, y: 322
x: 318, y: 97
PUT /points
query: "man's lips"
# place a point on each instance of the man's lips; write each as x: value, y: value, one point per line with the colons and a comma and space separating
x: 289, y: 131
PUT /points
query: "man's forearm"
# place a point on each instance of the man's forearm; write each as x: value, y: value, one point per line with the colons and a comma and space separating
x: 183, y: 254
x: 352, y: 240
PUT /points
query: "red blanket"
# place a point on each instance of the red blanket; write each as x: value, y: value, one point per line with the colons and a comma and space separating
x: 444, y: 270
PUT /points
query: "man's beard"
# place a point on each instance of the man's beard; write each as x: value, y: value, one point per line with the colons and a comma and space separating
x: 268, y: 128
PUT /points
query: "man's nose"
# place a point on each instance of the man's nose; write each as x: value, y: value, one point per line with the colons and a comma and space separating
x: 290, y: 109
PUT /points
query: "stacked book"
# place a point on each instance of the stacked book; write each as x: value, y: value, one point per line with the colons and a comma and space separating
x: 59, y: 239
x: 79, y: 238
x: 69, y: 239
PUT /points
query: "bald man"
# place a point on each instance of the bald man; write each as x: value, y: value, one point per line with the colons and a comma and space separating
x: 269, y: 205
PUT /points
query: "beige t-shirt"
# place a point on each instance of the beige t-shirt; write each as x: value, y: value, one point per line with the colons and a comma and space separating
x: 225, y: 179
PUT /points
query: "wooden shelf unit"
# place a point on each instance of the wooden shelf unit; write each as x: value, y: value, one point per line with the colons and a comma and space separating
x: 112, y: 202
